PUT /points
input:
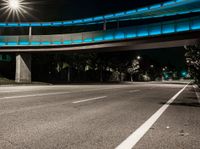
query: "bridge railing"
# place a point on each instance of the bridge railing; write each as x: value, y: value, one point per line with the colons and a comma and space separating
x: 169, y: 27
x: 168, y: 8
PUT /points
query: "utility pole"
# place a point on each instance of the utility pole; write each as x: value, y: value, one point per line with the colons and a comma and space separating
x: 30, y: 33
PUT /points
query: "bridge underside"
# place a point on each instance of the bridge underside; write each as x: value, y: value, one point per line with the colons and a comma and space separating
x: 23, y: 56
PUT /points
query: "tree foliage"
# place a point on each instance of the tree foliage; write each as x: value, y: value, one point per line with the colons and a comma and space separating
x: 134, y: 68
x: 90, y: 67
x: 193, y: 60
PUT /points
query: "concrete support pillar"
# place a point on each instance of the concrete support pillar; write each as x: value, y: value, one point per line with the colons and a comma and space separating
x: 23, y: 68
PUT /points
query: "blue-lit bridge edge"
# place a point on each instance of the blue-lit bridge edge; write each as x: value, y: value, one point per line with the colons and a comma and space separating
x: 169, y: 27
x: 120, y: 16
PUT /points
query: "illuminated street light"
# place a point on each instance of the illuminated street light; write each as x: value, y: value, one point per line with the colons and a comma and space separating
x: 14, y: 4
x: 139, y: 57
x: 15, y: 8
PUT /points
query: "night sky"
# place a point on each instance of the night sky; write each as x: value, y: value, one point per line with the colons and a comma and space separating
x: 51, y: 10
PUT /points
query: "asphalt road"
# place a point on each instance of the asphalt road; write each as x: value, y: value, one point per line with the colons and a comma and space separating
x: 98, y: 116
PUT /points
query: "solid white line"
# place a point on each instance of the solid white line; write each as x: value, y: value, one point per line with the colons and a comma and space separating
x: 89, y: 99
x: 132, y: 140
x: 35, y: 95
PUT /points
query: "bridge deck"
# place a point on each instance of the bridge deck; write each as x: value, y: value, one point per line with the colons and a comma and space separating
x: 179, y: 39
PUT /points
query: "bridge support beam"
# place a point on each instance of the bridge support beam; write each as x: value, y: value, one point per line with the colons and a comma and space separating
x: 23, y: 68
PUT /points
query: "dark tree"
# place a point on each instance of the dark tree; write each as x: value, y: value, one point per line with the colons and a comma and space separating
x: 193, y: 60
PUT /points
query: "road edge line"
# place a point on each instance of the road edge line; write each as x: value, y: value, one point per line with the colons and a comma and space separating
x: 137, y: 135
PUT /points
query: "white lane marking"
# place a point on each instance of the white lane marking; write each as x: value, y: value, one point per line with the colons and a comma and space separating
x: 34, y: 107
x: 132, y: 140
x: 134, y: 91
x: 197, y: 94
x: 89, y: 99
x: 35, y: 95
x: 52, y: 87
x: 17, y: 91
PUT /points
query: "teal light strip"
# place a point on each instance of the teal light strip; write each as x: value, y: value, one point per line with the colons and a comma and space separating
x: 156, y: 29
x: 182, y: 7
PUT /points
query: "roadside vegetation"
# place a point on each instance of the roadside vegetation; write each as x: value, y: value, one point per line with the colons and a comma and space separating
x: 66, y: 67
x: 102, y: 67
x: 5, y: 81
x: 193, y: 61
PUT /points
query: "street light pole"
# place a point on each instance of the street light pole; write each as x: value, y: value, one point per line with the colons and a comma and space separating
x: 23, y: 60
x: 17, y: 7
x: 30, y: 31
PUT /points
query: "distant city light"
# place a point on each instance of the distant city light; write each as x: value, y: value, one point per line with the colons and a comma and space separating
x: 184, y: 73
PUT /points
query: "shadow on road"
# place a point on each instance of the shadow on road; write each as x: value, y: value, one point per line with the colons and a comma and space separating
x: 189, y: 104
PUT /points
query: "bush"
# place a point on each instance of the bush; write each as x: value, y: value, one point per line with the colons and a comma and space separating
x: 193, y: 60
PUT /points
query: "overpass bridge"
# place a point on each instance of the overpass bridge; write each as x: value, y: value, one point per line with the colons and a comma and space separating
x: 162, y: 34
x: 165, y: 9
x: 103, y: 39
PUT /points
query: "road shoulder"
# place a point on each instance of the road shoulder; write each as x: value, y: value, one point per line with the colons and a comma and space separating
x: 178, y: 127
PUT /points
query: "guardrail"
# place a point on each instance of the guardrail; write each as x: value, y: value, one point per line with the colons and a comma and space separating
x: 169, y: 8
x: 169, y: 27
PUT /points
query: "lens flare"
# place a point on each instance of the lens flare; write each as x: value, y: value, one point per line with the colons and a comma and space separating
x: 14, y: 4
x: 15, y: 9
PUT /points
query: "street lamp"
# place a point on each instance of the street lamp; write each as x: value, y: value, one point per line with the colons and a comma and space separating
x: 139, y: 57
x: 16, y: 8
x: 14, y: 4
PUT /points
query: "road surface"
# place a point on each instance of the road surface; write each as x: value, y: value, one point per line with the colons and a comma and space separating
x: 100, y: 116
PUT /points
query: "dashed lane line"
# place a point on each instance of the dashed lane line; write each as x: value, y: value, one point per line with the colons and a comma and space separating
x: 34, y: 95
x: 89, y: 99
